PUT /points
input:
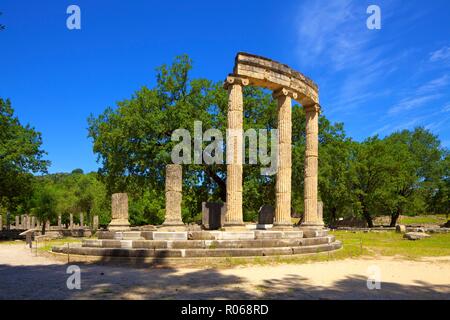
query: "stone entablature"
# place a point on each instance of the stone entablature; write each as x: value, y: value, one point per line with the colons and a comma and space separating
x: 275, y: 76
x: 286, y: 84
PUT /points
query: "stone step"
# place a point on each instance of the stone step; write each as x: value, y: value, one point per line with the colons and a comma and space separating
x: 244, y: 235
x: 181, y: 253
x: 205, y: 244
x: 214, y: 235
x: 128, y: 235
x: 314, y: 233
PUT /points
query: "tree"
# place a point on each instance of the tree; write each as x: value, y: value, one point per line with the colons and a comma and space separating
x: 440, y: 202
x: 44, y: 203
x: 133, y: 143
x: 370, y: 171
x: 334, y: 175
x: 401, y: 185
x: 77, y: 171
x: 20, y: 156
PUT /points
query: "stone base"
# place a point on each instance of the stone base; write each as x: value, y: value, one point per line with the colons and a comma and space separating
x: 152, y: 246
x: 119, y: 225
x: 172, y: 227
x: 234, y: 227
x: 264, y: 226
x: 312, y: 225
x: 312, y: 232
x: 283, y: 227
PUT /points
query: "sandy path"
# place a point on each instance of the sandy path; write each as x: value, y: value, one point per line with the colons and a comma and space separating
x: 25, y: 276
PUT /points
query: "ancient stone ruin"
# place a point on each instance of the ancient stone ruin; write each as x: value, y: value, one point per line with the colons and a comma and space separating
x: 232, y: 238
x: 119, y: 212
x: 286, y: 84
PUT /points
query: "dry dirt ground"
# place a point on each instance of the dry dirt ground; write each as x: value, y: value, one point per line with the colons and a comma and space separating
x: 25, y: 276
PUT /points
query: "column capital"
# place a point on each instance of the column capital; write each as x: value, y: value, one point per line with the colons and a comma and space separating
x: 285, y: 92
x: 234, y: 80
x: 312, y: 108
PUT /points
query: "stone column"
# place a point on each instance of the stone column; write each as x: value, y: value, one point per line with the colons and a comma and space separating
x: 33, y: 222
x: 119, y: 212
x: 95, y: 223
x: 320, y: 210
x: 311, y: 218
x: 284, y: 159
x: 234, y: 216
x: 81, y: 220
x: 59, y: 221
x: 47, y: 225
x: 22, y: 221
x: 38, y: 224
x: 174, y: 184
x: 71, y: 221
x: 17, y: 223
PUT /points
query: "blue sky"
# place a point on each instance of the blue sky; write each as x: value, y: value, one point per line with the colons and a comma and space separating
x: 375, y: 81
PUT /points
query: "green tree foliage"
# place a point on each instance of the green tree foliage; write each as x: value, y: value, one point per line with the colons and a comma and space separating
x: 133, y: 143
x: 441, y: 198
x: 77, y: 193
x: 335, y: 156
x: 405, y: 173
x: 44, y: 204
x: 20, y: 156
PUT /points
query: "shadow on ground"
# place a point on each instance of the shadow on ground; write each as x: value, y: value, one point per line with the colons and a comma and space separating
x: 115, y: 282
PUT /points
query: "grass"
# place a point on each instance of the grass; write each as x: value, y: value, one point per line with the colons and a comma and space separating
x: 358, y: 244
x: 390, y: 243
x: 47, y: 245
x: 426, y: 219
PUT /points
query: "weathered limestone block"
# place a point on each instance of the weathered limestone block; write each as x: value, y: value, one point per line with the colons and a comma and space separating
x: 174, y: 182
x: 17, y: 222
x: 213, y: 215
x: 320, y: 210
x: 415, y: 235
x: 95, y: 223
x: 400, y: 228
x: 119, y: 212
x: 71, y: 221
x: 33, y: 222
x: 81, y: 220
x: 284, y: 173
x: 234, y: 215
x: 311, y: 218
x: 273, y: 75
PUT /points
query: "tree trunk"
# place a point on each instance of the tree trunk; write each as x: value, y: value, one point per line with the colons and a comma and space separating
x: 222, y: 185
x: 368, y: 218
x: 394, y: 217
x: 333, y: 212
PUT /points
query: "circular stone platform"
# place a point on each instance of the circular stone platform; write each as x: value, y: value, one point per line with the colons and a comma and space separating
x: 203, y: 244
